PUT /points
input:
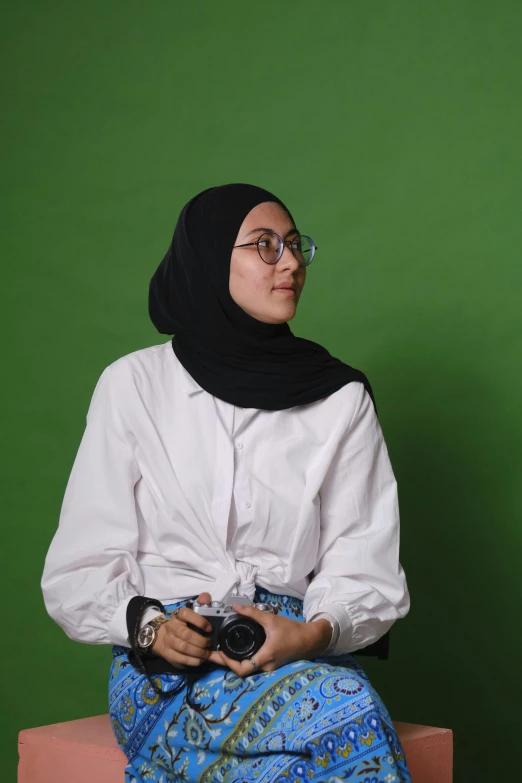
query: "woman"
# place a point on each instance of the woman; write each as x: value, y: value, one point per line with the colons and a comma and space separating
x: 234, y: 462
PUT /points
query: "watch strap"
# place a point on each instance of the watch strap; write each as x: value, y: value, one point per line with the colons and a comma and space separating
x: 159, y: 620
x: 149, y: 614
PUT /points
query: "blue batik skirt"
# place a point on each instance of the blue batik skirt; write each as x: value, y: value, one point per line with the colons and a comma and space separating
x: 317, y: 720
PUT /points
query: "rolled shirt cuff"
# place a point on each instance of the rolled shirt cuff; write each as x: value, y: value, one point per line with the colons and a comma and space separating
x: 117, y: 629
x: 336, y: 630
x: 347, y: 639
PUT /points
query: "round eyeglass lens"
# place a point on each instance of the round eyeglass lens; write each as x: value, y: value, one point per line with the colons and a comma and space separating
x: 303, y: 249
x: 270, y: 249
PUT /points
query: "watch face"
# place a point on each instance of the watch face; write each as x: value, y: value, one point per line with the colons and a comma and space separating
x: 146, y: 636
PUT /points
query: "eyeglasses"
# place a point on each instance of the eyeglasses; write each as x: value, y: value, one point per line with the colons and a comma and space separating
x: 270, y: 247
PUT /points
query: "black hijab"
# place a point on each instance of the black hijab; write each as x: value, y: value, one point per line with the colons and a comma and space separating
x: 230, y: 354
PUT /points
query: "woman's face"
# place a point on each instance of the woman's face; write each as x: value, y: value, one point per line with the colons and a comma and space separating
x: 253, y: 283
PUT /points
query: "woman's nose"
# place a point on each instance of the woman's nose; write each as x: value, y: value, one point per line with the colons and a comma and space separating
x: 288, y: 259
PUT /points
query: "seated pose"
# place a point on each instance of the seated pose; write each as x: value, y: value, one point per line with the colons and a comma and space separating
x: 244, y: 467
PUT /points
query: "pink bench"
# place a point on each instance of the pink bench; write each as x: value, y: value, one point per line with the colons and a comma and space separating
x: 86, y: 751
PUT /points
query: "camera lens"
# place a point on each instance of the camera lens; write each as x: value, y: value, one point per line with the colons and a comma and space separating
x: 241, y: 637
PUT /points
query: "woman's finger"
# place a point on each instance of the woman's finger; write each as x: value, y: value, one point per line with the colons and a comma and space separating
x: 232, y: 664
x: 192, y: 637
x: 266, y: 619
x: 216, y: 656
x: 189, y: 616
x: 244, y: 668
x: 180, y: 630
x: 188, y: 642
x: 186, y: 648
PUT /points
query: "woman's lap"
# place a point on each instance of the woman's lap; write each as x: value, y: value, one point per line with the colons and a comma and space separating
x: 319, y: 720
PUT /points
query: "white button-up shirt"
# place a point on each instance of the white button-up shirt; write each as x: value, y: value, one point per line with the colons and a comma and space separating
x: 174, y: 492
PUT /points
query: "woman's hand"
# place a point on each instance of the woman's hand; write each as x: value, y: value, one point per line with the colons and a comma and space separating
x: 286, y: 640
x: 180, y: 645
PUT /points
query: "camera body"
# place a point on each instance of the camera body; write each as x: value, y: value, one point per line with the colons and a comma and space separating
x: 234, y: 634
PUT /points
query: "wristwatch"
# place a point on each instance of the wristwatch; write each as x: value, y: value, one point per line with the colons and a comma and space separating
x: 147, y: 634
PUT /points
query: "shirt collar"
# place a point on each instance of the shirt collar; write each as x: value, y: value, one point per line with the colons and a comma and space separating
x: 190, y: 385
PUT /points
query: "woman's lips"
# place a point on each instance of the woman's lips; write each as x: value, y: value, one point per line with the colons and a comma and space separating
x: 285, y: 291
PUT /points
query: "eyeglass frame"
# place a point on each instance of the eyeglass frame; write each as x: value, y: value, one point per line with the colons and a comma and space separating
x: 282, y: 243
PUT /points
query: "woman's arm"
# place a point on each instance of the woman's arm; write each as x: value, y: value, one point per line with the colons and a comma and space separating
x: 90, y: 570
x: 358, y: 579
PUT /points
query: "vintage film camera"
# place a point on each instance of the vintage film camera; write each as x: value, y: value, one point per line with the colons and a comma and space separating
x: 237, y: 636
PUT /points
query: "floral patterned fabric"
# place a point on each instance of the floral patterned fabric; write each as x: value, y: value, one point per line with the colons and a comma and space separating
x: 315, y: 720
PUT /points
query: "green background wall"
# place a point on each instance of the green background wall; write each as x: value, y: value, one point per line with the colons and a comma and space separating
x: 393, y: 131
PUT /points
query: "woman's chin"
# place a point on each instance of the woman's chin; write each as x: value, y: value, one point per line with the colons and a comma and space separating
x: 278, y: 314
x: 281, y: 315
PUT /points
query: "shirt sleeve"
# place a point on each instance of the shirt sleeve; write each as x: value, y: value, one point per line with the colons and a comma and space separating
x: 358, y: 578
x: 90, y: 570
x: 335, y: 630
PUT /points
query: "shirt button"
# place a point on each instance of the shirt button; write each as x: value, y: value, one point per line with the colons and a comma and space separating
x: 247, y: 504
x: 239, y: 445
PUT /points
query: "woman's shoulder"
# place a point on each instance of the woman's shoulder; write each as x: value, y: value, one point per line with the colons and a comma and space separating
x: 347, y: 397
x: 335, y: 412
x: 142, y: 365
x: 346, y: 401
